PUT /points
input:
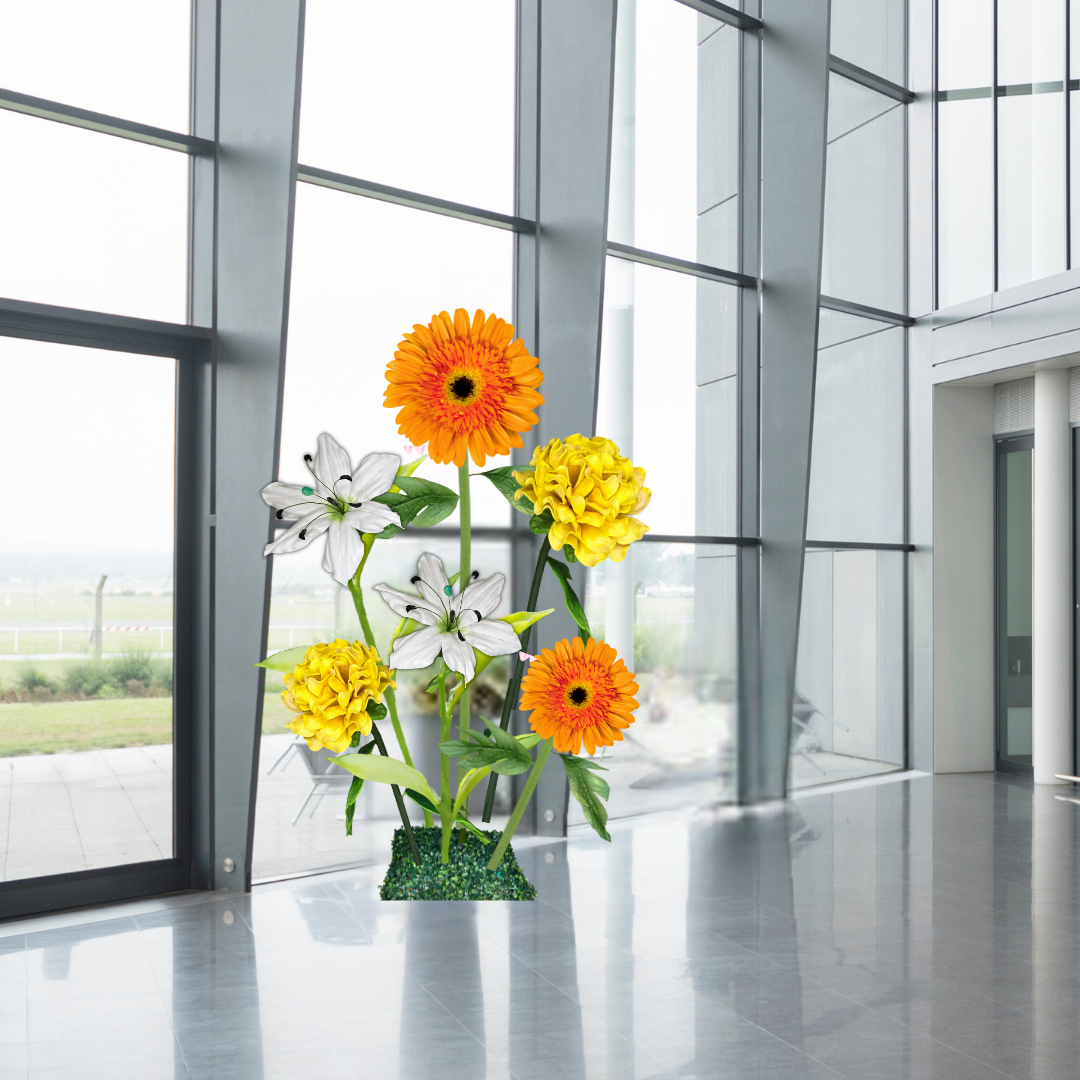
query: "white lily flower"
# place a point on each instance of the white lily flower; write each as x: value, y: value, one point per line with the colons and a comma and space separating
x: 338, y: 503
x: 453, y: 625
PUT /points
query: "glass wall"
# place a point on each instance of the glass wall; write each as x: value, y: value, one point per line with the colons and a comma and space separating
x: 86, y: 609
x: 849, y: 712
x: 1003, y: 137
x: 668, y: 396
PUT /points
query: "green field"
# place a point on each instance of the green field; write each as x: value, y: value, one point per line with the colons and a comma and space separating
x: 58, y: 726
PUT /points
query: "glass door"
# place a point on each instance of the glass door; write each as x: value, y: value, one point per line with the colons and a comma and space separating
x: 1013, y: 585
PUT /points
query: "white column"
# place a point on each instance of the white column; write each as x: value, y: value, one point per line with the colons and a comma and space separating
x: 1051, y: 599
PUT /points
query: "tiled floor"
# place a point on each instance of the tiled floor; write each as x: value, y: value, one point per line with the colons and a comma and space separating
x: 928, y: 928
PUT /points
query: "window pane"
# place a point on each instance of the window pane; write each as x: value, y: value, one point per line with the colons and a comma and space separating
x: 671, y: 617
x: 870, y: 33
x: 849, y: 680
x: 857, y: 465
x: 348, y: 310
x: 965, y: 200
x: 101, y: 221
x: 674, y: 167
x: 347, y: 314
x: 863, y: 258
x: 965, y: 43
x: 86, y: 610
x: 128, y: 58
x: 418, y: 95
x: 1031, y: 188
x: 667, y: 392
x: 1074, y: 173
x: 306, y: 606
x: 1031, y: 41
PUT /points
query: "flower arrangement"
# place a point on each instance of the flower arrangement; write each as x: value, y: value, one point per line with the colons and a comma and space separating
x: 467, y: 389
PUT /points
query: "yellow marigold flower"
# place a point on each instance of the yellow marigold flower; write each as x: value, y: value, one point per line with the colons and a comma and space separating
x: 330, y: 689
x: 591, y: 491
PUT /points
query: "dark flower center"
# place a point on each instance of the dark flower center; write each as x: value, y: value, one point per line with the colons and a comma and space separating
x: 463, y: 388
x: 579, y: 695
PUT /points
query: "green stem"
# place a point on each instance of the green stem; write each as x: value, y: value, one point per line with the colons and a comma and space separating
x: 465, y: 561
x: 519, y: 810
x: 361, y: 612
x: 444, y: 765
x: 391, y: 705
x: 397, y: 798
x: 464, y: 579
x: 515, y: 682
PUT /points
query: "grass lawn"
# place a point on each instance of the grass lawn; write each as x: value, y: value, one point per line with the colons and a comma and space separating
x: 55, y: 727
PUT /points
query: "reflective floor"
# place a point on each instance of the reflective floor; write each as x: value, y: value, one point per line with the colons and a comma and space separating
x: 924, y: 928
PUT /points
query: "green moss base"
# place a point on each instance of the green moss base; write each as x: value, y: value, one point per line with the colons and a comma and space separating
x: 464, y: 877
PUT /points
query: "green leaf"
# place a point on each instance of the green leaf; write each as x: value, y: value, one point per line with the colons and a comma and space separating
x: 573, y: 604
x: 420, y: 502
x: 385, y: 770
x: 541, y: 523
x: 507, y: 484
x: 355, y: 787
x: 588, y: 789
x: 375, y: 710
x: 568, y: 553
x: 408, y: 470
x: 285, y: 660
x: 522, y: 620
x: 494, y: 749
x: 427, y: 804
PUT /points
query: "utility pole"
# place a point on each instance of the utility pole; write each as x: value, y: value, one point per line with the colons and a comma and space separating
x: 97, y: 616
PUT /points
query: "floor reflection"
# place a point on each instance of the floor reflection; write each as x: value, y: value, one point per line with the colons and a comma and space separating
x: 928, y: 928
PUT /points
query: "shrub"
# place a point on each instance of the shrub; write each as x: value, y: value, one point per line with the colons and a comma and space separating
x: 86, y: 677
x: 131, y: 665
x: 162, y: 675
x: 29, y: 677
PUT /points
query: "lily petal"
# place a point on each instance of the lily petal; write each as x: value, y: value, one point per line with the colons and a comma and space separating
x: 409, y: 607
x: 372, y: 517
x: 482, y: 596
x: 311, y: 526
x: 492, y: 636
x: 345, y: 549
x: 331, y: 461
x: 433, y: 580
x: 290, y: 499
x: 458, y: 655
x: 417, y: 650
x: 373, y: 476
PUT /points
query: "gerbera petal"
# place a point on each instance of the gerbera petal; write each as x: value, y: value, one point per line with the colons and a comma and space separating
x: 458, y: 655
x: 300, y: 534
x: 331, y: 460
x: 373, y: 476
x: 482, y: 596
x: 290, y: 500
x: 417, y: 650
x: 410, y: 607
x: 345, y: 550
x: 491, y: 636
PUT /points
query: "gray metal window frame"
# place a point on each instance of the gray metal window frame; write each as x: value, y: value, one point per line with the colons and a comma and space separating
x: 246, y: 88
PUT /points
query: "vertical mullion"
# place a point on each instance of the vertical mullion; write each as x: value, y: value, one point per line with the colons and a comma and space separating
x: 994, y: 122
x: 1068, y: 131
x: 747, y: 559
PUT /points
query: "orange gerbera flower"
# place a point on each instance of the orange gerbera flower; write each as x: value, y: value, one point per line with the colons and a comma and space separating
x: 463, y: 387
x: 579, y: 693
